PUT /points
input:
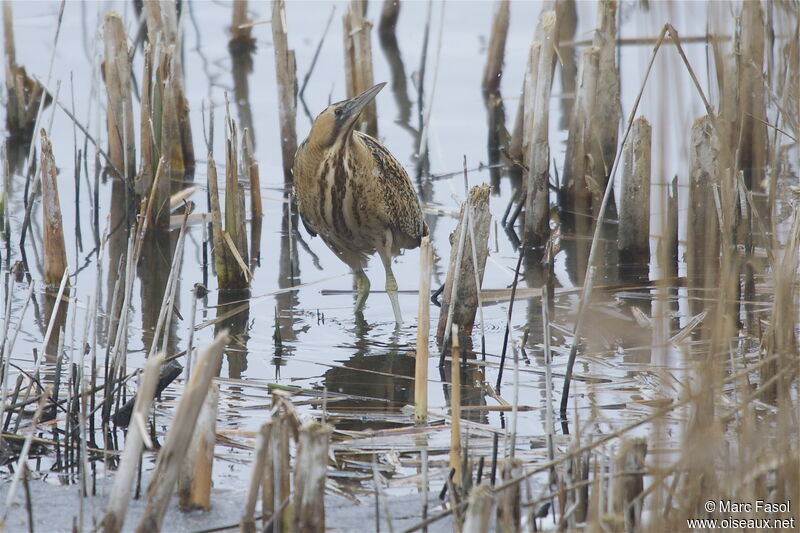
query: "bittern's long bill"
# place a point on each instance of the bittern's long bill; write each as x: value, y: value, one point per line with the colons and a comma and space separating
x: 355, y: 195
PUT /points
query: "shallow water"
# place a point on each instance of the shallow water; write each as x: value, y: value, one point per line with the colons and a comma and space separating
x: 323, y: 346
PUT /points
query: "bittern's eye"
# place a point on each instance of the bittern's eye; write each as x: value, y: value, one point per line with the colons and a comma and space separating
x: 338, y: 112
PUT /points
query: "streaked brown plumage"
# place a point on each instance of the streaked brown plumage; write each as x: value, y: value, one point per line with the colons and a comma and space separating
x: 355, y: 195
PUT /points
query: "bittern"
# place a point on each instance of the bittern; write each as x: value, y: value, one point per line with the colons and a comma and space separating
x: 353, y: 193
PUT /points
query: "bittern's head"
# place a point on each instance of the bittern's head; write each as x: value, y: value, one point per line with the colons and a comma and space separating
x: 339, y: 119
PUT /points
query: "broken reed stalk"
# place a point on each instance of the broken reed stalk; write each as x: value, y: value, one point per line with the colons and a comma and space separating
x: 24, y: 94
x: 251, y: 168
x: 455, y: 408
x: 752, y: 111
x: 606, y: 110
x: 143, y: 181
x: 578, y: 164
x: 423, y: 331
x: 479, y: 512
x: 358, y: 62
x: 241, y: 28
x: 247, y: 524
x: 119, y: 113
x: 633, y: 240
x: 537, y: 204
x: 461, y: 290
x: 493, y: 71
x: 55, y: 253
x: 275, y: 483
x: 194, y: 483
x: 180, y: 434
x: 286, y: 73
x: 508, y: 505
x: 703, y: 244
x: 235, y: 221
x: 135, y: 441
x: 311, y: 468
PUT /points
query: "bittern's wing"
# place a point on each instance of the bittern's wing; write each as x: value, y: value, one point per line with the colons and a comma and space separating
x: 402, y: 209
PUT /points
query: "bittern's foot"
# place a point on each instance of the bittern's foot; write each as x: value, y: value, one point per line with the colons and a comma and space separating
x: 391, y: 290
x: 362, y: 290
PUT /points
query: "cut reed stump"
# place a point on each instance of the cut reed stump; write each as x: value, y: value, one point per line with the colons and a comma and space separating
x: 55, y: 252
x: 607, y: 108
x: 247, y: 523
x: 537, y: 204
x: 194, y: 483
x: 358, y: 61
x: 286, y: 73
x: 479, y: 511
x: 462, y: 305
x: 493, y: 70
x: 275, y: 484
x: 24, y: 94
x: 119, y: 111
x: 423, y: 330
x: 633, y: 239
x: 135, y: 441
x: 311, y: 468
x: 508, y: 504
x: 179, y: 435
x: 703, y: 235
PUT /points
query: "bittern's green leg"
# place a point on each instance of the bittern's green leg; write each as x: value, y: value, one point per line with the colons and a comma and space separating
x: 362, y: 289
x: 391, y: 290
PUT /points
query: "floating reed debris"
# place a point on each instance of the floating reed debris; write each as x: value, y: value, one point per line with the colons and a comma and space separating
x: 311, y: 470
x: 55, y: 253
x: 633, y: 239
x: 493, y: 70
x: 135, y: 441
x: 358, y: 61
x: 24, y: 94
x: 423, y: 330
x: 460, y: 296
x: 537, y: 203
x: 179, y: 435
x: 119, y: 110
x: 286, y: 73
x: 194, y: 483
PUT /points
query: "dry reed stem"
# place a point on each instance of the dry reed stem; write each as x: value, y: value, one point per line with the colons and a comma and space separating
x: 310, y: 474
x: 423, y: 331
x: 247, y: 523
x: 358, y: 61
x: 629, y: 481
x: 460, y: 295
x: 55, y: 254
x: 493, y: 70
x: 144, y: 179
x: 117, y: 77
x: 180, y: 434
x: 235, y: 223
x: 634, y: 213
x: 537, y: 204
x: 286, y: 73
x: 117, y: 506
x: 194, y: 485
x: 455, y: 408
